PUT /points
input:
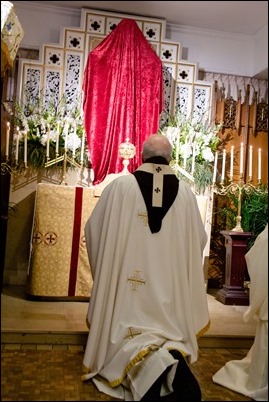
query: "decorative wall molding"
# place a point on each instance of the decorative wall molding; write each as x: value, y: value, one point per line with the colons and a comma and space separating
x: 236, y: 86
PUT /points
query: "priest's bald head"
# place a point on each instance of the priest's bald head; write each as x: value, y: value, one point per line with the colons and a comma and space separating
x: 157, y: 145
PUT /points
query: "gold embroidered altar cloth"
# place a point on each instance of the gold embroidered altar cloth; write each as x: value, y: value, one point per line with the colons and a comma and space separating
x: 59, y: 265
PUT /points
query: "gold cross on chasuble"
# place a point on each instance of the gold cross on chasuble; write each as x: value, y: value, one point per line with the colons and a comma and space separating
x: 132, y: 333
x: 136, y: 280
x: 144, y: 217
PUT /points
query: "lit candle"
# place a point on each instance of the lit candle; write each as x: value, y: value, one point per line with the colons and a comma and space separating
x: 17, y: 145
x: 193, y: 158
x: 223, y: 165
x: 7, y: 139
x: 25, y: 147
x: 250, y: 162
x: 48, y: 141
x: 259, y: 164
x: 82, y: 147
x: 215, y: 167
x: 241, y: 159
x: 57, y: 138
x: 232, y: 163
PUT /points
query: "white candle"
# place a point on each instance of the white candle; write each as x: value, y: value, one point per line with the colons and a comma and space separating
x: 250, y: 162
x: 25, y: 147
x: 7, y: 139
x: 223, y: 165
x: 65, y: 134
x: 232, y: 163
x: 241, y: 159
x: 185, y: 154
x: 82, y: 147
x: 74, y: 140
x: 259, y: 164
x: 48, y: 141
x: 57, y: 138
x: 215, y: 167
x: 17, y: 145
x: 193, y: 158
x: 177, y: 146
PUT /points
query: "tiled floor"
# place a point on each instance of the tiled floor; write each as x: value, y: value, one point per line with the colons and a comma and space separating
x: 43, y: 345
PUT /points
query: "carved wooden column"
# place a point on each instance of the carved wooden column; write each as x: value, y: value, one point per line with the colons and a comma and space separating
x: 233, y: 291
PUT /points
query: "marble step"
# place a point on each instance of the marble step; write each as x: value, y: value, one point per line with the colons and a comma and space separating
x: 80, y: 338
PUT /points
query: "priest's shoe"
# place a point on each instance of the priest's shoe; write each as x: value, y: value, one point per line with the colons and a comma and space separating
x: 185, y: 385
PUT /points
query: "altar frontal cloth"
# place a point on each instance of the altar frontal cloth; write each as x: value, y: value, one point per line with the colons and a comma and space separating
x: 59, y: 263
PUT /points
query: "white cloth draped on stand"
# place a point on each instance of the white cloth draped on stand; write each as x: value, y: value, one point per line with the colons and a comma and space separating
x: 249, y: 376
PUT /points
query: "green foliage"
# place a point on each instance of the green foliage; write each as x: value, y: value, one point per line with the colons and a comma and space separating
x: 203, y: 175
x: 56, y: 122
x: 254, y: 217
x: 194, y: 143
x: 254, y: 212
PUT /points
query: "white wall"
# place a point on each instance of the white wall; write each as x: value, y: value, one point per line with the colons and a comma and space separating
x: 214, y: 51
x: 261, y: 50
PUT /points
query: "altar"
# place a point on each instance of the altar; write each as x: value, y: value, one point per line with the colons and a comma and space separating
x: 58, y: 263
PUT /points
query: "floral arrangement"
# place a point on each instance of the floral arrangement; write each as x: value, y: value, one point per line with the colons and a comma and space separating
x: 194, y: 142
x: 48, y: 131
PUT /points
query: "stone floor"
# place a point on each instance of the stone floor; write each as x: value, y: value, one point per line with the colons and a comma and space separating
x: 42, y: 346
x: 52, y: 373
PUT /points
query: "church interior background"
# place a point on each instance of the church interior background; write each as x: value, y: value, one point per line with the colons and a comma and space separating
x: 37, y: 197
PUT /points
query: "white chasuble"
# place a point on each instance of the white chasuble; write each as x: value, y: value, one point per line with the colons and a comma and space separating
x: 148, y: 291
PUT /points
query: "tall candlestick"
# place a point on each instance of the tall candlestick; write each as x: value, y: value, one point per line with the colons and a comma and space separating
x: 250, y: 162
x: 7, y: 139
x: 232, y: 163
x: 57, y: 138
x: 17, y: 145
x: 259, y: 164
x: 185, y: 154
x: 215, y: 168
x: 66, y: 126
x: 74, y: 140
x: 223, y: 165
x: 177, y: 146
x: 241, y: 159
x: 82, y: 147
x: 25, y: 147
x: 48, y: 141
x: 193, y: 158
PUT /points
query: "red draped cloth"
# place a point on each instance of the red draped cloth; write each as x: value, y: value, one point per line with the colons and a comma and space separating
x: 123, y: 97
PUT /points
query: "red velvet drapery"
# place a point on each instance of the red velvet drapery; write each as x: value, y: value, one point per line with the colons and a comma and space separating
x: 123, y: 97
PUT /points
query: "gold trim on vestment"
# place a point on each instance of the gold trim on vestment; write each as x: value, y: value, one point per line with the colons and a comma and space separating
x: 132, y: 363
x: 203, y: 330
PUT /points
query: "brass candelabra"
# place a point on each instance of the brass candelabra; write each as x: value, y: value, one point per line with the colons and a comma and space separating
x: 238, y: 188
x: 66, y: 159
x: 7, y: 168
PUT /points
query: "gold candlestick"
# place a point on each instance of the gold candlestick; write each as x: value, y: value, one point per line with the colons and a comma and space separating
x: 237, y: 188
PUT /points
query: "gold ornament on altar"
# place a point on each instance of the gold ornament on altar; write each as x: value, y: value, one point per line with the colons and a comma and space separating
x: 126, y: 151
